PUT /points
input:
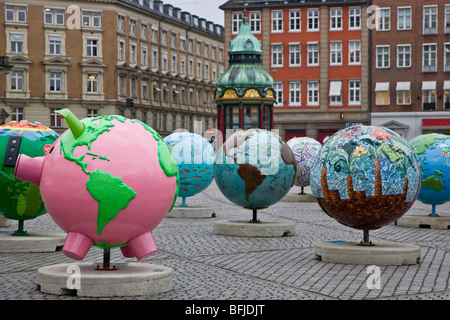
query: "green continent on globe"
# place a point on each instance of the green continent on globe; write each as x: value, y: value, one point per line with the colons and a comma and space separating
x: 426, y: 141
x: 432, y: 182
x: 111, y: 194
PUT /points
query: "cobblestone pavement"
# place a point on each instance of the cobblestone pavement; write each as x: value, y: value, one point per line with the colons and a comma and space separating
x: 212, y: 267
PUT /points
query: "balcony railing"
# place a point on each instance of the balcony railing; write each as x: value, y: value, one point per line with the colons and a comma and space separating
x: 429, y: 106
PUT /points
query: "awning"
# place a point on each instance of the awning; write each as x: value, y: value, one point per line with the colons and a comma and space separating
x: 382, y: 86
x: 403, y: 86
x: 335, y: 88
x: 429, y: 85
x: 446, y: 85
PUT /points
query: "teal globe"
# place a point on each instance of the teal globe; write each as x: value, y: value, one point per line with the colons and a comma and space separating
x: 195, y: 159
x: 433, y: 151
x: 254, y: 168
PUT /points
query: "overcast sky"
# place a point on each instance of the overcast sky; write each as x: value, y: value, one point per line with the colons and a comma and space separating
x: 208, y: 9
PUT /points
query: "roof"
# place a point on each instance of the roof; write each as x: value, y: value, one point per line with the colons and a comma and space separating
x: 240, y: 4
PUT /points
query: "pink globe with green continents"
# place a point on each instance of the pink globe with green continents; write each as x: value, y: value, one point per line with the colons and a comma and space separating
x: 108, y: 181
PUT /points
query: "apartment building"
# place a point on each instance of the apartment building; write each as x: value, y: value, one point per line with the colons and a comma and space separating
x: 410, y: 67
x: 94, y: 56
x: 317, y: 53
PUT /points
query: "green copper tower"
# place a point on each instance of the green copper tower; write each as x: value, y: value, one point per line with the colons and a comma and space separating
x: 244, y: 94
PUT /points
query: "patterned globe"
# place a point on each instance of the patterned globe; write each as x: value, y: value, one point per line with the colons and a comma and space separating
x: 305, y: 151
x: 21, y: 200
x: 195, y: 159
x: 366, y: 177
x: 254, y: 168
x: 433, y: 151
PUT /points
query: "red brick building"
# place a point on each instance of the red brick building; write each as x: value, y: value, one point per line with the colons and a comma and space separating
x: 410, y: 67
x: 317, y: 54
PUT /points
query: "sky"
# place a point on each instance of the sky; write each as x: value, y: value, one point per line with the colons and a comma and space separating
x: 207, y: 9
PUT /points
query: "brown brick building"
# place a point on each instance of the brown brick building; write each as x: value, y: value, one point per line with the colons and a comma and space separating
x: 410, y: 66
x: 90, y: 56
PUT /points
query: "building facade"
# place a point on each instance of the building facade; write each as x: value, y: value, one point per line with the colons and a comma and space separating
x: 317, y: 54
x: 90, y: 56
x: 410, y: 68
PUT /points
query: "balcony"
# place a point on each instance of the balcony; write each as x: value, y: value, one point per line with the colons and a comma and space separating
x: 447, y: 106
x: 429, y: 106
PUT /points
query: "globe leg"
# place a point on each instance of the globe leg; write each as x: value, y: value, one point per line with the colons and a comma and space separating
x: 106, y: 262
x: 366, y: 241
x: 183, y: 201
x: 302, y: 190
x: 142, y: 245
x: 77, y: 245
x: 20, y: 231
x: 433, y: 211
x: 255, y: 216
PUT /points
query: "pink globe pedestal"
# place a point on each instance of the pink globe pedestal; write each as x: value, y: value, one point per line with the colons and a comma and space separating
x: 107, y: 182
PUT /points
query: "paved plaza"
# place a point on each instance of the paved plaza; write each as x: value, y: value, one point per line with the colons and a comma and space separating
x: 212, y: 267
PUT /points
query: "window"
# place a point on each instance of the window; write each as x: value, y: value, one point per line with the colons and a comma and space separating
x: 143, y: 31
x: 164, y: 37
x: 54, y: 16
x: 92, y: 112
x: 382, y: 93
x: 447, y: 57
x: 206, y: 50
x: 132, y: 27
x: 55, y: 119
x: 17, y: 79
x: 206, y: 71
x: 55, y: 81
x: 404, y: 18
x: 55, y: 45
x: 16, y: 41
x: 255, y: 22
x: 429, y: 95
x: 404, y: 55
x: 335, y: 18
x: 277, y: 55
x: 383, y: 19
x: 174, y: 63
x: 294, y: 54
x: 16, y: 14
x: 91, y: 19
x: 144, y: 84
x: 154, y: 34
x: 133, y: 53
x: 403, y: 93
x: 429, y: 58
x: 354, y: 92
x: 335, y: 93
x: 182, y: 42
x: 155, y: 120
x: 92, y: 47
x: 173, y: 39
x: 294, y: 20
x: 191, y: 67
x: 199, y: 69
x: 382, y: 59
x: 120, y: 23
x: 313, y: 19
x: 336, y: 53
x: 429, y: 20
x: 199, y: 47
x: 277, y: 21
x: 17, y: 113
x: 354, y: 18
x: 294, y: 93
x: 214, y: 73
x: 236, y: 19
x: 313, y: 54
x: 313, y: 93
x: 121, y: 51
x: 354, y: 52
x: 92, y: 82
x: 447, y: 19
x: 447, y: 95
x: 174, y: 121
x: 278, y: 88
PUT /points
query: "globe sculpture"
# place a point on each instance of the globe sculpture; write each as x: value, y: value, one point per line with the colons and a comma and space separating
x: 254, y: 169
x: 21, y: 200
x: 366, y: 177
x: 305, y: 151
x: 433, y: 151
x: 108, y: 181
x: 194, y: 156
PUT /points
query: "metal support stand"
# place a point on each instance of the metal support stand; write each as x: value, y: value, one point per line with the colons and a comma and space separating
x: 183, y: 201
x: 255, y: 218
x: 366, y: 241
x: 433, y: 211
x: 106, y: 262
x: 302, y: 191
x: 20, y: 231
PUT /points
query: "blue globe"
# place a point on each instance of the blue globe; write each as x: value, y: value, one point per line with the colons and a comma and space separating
x: 195, y: 159
x: 433, y: 151
x: 254, y: 168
